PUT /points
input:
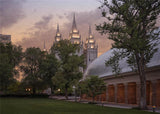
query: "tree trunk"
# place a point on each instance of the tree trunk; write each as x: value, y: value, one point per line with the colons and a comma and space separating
x: 5, y: 89
x: 66, y: 93
x: 93, y: 98
x: 141, y: 71
x: 80, y: 94
x: 75, y: 95
x: 34, y: 90
x: 52, y: 89
x: 143, y: 104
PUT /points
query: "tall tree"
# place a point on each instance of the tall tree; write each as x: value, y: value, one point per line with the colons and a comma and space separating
x: 132, y: 28
x: 70, y: 64
x: 31, y: 67
x: 10, y: 57
x: 48, y: 69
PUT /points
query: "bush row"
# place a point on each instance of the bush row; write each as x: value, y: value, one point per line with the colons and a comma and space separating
x: 26, y: 95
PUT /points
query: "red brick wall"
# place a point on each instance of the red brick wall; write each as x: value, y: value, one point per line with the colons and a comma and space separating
x: 158, y: 93
x: 148, y: 92
x: 103, y: 96
x: 132, y: 93
x: 84, y: 96
x: 120, y: 93
x: 111, y: 93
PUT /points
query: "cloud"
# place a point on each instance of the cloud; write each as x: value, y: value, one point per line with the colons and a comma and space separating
x: 43, y: 24
x: 83, y: 20
x: 40, y: 32
x: 43, y: 30
x: 11, y: 11
x: 60, y: 16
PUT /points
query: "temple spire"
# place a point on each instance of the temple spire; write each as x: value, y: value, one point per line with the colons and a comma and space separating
x: 90, y: 31
x: 44, y: 46
x: 58, y: 36
x: 57, y: 27
x: 74, y: 23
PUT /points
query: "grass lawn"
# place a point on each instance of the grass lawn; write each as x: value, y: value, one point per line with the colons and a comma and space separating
x: 49, y: 106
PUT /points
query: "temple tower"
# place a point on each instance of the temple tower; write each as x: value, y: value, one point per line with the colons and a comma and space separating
x: 91, y: 48
x: 58, y: 36
x: 75, y: 37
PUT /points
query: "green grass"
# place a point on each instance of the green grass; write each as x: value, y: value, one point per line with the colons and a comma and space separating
x: 49, y: 106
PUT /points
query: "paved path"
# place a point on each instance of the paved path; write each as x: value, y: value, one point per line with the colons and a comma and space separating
x: 72, y: 99
x: 116, y: 106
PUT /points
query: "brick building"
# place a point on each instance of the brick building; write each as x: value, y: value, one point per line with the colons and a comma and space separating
x: 125, y: 88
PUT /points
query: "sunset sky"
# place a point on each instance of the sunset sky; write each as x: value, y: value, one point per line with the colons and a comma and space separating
x: 30, y: 22
x: 28, y: 12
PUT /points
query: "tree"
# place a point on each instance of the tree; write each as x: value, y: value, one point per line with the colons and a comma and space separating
x: 70, y: 63
x: 31, y: 67
x: 82, y: 88
x: 15, y: 88
x: 93, y: 86
x: 132, y: 28
x: 10, y: 57
x: 48, y: 69
x: 114, y: 63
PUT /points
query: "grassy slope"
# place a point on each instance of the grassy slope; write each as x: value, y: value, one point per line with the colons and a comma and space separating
x: 48, y: 106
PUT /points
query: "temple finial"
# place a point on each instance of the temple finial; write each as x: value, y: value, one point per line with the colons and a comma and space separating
x: 44, y: 48
x: 74, y: 22
x: 90, y: 31
x: 57, y: 27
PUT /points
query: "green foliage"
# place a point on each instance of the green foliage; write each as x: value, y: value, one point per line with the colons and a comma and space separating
x: 10, y: 57
x: 82, y: 87
x: 70, y: 64
x: 31, y: 67
x: 58, y: 80
x: 93, y: 86
x: 113, y: 62
x: 64, y: 49
x: 132, y: 63
x: 15, y: 88
x: 48, y: 69
x: 132, y: 28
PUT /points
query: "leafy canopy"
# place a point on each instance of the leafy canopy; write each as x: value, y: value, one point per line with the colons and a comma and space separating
x: 70, y: 64
x: 131, y: 25
x: 10, y: 57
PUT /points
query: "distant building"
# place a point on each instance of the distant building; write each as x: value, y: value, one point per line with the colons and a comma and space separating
x: 125, y: 89
x: 5, y: 38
